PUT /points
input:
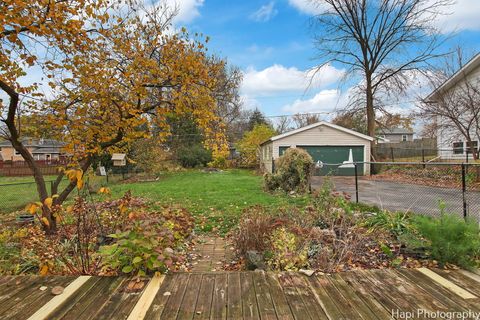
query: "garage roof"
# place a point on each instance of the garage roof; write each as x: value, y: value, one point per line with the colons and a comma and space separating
x: 318, y: 124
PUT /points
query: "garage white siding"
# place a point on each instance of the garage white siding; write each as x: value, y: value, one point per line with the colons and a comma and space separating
x: 323, y: 134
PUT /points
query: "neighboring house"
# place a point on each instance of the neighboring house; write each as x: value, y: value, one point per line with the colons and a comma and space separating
x: 451, y: 144
x: 395, y: 135
x: 326, y: 143
x: 41, y: 149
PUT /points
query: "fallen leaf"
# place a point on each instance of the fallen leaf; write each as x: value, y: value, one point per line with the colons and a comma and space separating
x: 57, y: 290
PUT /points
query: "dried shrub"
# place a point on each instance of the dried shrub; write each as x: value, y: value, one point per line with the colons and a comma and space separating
x: 293, y: 172
x: 253, y: 230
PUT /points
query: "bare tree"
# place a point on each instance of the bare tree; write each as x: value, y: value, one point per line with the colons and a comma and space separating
x: 304, y: 119
x: 455, y: 109
x: 378, y: 41
x: 283, y: 124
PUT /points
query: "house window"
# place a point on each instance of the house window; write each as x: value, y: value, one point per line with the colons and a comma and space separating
x: 404, y: 137
x: 17, y: 153
x: 458, y: 148
x: 473, y: 144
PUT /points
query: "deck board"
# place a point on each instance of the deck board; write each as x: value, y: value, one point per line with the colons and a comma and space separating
x: 362, y: 294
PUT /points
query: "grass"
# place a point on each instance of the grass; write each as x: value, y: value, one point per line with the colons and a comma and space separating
x: 215, y: 199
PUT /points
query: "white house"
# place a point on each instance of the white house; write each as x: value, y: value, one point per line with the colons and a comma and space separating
x: 450, y: 142
x: 332, y: 147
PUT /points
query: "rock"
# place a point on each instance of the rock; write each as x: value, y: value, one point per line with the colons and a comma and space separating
x: 306, y: 272
x: 255, y: 260
x: 167, y: 293
x: 43, y: 288
x: 169, y: 250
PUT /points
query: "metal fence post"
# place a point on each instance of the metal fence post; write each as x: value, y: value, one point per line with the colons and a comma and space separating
x: 356, y: 182
x: 464, y: 189
x: 391, y: 153
x: 423, y: 158
x: 273, y: 165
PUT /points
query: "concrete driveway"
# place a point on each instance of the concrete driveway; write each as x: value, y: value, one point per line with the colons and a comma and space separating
x: 396, y: 196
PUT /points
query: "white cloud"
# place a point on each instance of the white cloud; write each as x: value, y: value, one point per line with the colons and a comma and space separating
x: 249, y: 102
x: 463, y: 15
x: 265, y: 13
x: 308, y: 6
x: 324, y: 101
x: 278, y: 78
x: 188, y: 10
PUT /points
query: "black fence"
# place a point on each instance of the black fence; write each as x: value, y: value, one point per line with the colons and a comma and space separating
x: 424, y: 154
x: 422, y: 188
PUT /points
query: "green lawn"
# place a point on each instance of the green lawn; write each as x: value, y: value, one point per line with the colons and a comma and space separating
x: 216, y: 199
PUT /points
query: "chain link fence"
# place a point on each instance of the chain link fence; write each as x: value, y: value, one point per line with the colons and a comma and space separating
x: 422, y: 188
x: 16, y: 195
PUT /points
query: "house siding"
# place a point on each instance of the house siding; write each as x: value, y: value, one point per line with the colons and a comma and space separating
x: 447, y: 136
x: 318, y: 136
x: 397, y: 138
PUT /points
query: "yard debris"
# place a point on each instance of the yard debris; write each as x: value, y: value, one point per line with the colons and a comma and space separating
x: 306, y: 272
x: 43, y: 288
x: 57, y: 290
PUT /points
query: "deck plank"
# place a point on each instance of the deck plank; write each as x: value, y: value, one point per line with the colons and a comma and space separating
x: 314, y: 306
x: 249, y: 298
x: 219, y: 305
x: 295, y: 301
x: 368, y: 299
x: 161, y: 298
x: 177, y: 291
x: 360, y: 305
x: 424, y: 300
x: 460, y: 280
x: 234, y: 296
x: 282, y: 309
x: 205, y: 297
x: 27, y: 306
x: 439, y: 292
x: 90, y: 298
x: 263, y: 296
x: 189, y: 303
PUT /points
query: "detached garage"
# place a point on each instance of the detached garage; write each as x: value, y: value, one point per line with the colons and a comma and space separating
x: 332, y: 148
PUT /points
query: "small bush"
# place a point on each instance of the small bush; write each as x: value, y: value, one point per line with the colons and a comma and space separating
x: 451, y: 239
x: 397, y: 223
x: 253, y: 231
x: 293, y: 172
x: 288, y: 251
x: 194, y: 156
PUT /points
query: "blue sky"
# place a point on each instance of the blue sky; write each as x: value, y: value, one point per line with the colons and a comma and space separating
x: 272, y: 42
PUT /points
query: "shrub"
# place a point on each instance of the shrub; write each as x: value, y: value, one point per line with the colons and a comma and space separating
x: 194, y: 156
x: 397, y: 223
x: 451, y: 239
x: 293, y: 172
x: 149, y: 243
x: 253, y: 231
x: 287, y: 251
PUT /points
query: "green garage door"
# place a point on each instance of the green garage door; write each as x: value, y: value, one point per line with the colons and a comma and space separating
x: 334, y: 155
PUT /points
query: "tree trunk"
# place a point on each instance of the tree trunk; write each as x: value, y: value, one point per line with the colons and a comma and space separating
x: 370, y: 117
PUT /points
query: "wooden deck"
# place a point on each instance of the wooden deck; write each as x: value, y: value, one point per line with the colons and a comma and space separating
x: 244, y: 295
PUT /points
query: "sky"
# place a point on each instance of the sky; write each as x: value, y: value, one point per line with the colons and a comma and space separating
x: 272, y: 42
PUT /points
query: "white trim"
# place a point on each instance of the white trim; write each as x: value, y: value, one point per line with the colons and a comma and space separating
x: 321, y: 123
x: 456, y: 77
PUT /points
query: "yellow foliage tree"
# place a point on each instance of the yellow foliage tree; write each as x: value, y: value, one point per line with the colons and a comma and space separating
x: 249, y: 145
x: 113, y: 68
